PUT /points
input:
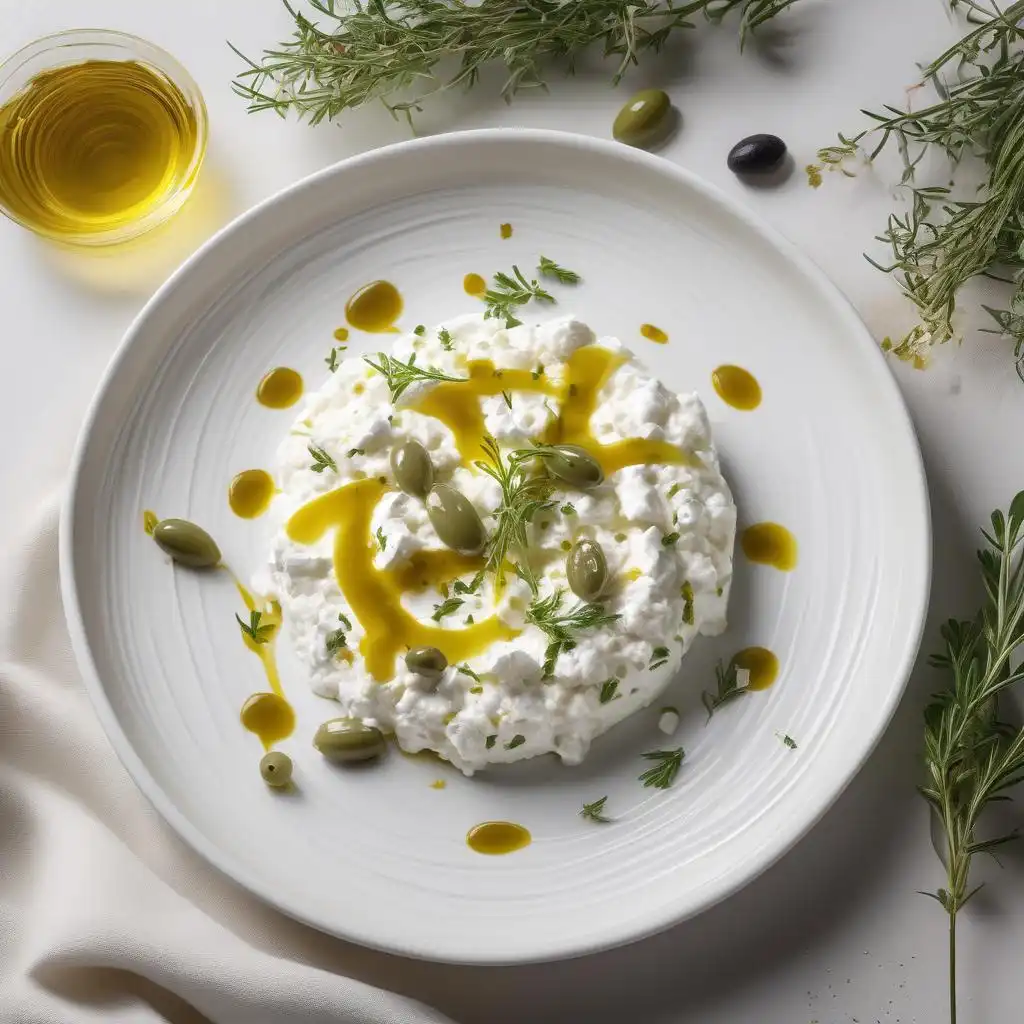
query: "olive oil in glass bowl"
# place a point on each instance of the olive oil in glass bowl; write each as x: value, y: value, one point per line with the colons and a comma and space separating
x: 101, y: 136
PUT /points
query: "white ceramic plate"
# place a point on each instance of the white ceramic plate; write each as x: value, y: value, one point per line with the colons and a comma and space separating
x: 379, y: 857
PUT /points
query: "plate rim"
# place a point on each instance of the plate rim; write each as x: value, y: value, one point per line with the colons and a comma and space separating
x: 222, y: 860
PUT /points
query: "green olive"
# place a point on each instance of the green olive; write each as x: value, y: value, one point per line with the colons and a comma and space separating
x: 414, y: 472
x: 456, y: 521
x: 348, y: 739
x: 186, y: 543
x: 646, y: 119
x: 586, y: 569
x: 575, y: 466
x: 428, y: 662
x: 276, y: 769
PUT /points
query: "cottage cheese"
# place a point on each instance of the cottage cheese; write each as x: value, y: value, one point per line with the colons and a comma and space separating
x: 665, y: 594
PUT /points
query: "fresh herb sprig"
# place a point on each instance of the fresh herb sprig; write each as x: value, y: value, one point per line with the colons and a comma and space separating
x: 453, y: 604
x: 401, y: 376
x: 665, y: 769
x: 388, y: 50
x: 940, y: 243
x: 522, y: 497
x: 595, y: 811
x: 562, y: 630
x: 321, y: 460
x: 257, y: 633
x: 508, y: 293
x: 727, y: 688
x: 549, y: 268
x: 973, y: 758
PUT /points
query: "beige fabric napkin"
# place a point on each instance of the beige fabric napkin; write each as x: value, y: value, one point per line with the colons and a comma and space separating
x: 104, y: 914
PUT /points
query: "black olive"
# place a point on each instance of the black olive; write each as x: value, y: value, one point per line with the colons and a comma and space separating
x: 757, y: 154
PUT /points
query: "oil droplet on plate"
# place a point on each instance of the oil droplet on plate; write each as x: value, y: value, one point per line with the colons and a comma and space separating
x: 280, y: 388
x: 269, y: 716
x: 770, y: 544
x: 375, y: 308
x: 341, y: 334
x: 438, y: 784
x: 737, y: 387
x: 149, y: 521
x: 762, y: 665
x: 652, y: 333
x: 474, y: 285
x: 506, y: 230
x: 250, y: 493
x: 494, y: 837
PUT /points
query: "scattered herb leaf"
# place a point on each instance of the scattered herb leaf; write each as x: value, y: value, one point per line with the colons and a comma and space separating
x: 595, y: 811
x: 253, y: 630
x: 663, y: 774
x: 321, y: 460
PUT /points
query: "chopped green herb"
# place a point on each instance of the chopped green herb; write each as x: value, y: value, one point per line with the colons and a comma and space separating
x: 476, y: 689
x: 467, y: 671
x: 674, y: 490
x: 669, y: 539
x: 658, y: 657
x: 538, y: 372
x: 444, y: 336
x: 490, y: 741
x: 508, y: 398
x: 344, y: 620
x: 609, y: 691
x: 469, y: 588
x: 352, y: 452
x: 469, y: 620
x: 568, y: 509
x: 336, y: 641
x: 253, y: 630
x: 686, y: 592
x: 549, y: 268
x: 321, y: 460
x: 561, y: 629
x: 595, y: 811
x: 517, y: 741
x: 727, y: 687
x: 382, y: 541
x: 446, y: 608
x: 332, y: 359
x: 788, y: 740
x: 420, y: 330
x: 663, y: 774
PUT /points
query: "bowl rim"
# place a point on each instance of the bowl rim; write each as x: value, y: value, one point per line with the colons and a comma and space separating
x: 144, y: 52
x: 222, y: 860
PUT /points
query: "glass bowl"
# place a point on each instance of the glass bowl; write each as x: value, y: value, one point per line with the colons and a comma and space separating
x: 75, y: 47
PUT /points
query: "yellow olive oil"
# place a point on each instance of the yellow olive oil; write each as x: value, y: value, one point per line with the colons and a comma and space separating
x: 90, y: 148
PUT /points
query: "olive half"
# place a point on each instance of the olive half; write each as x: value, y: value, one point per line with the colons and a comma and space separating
x: 456, y: 520
x: 414, y: 472
x: 428, y: 662
x: 575, y: 466
x: 586, y: 569
x: 186, y: 543
x: 276, y: 769
x: 348, y: 740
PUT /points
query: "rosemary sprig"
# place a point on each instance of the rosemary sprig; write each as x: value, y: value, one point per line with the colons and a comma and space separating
x: 727, y: 688
x: 595, y: 811
x: 508, y: 293
x: 562, y: 629
x: 389, y: 49
x: 321, y: 459
x: 664, y: 772
x: 549, y: 268
x: 972, y: 758
x: 453, y: 604
x: 253, y: 630
x: 401, y: 376
x: 522, y: 497
x: 940, y: 243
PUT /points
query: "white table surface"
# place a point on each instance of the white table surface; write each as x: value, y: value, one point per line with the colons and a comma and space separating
x: 836, y: 932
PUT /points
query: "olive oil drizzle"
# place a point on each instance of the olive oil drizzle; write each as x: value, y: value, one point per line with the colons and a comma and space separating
x: 374, y: 308
x: 250, y: 493
x: 457, y: 406
x: 770, y: 544
x: 762, y: 664
x: 737, y: 387
x: 279, y: 388
x: 375, y: 596
x: 497, y: 837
